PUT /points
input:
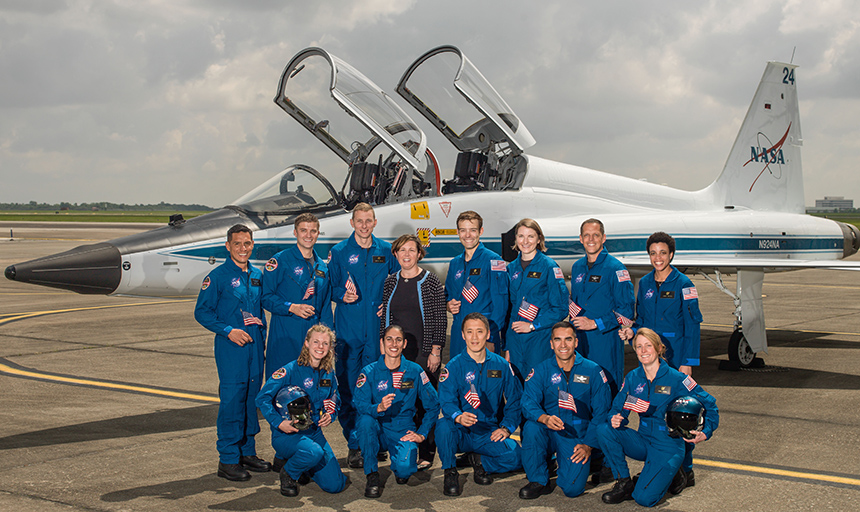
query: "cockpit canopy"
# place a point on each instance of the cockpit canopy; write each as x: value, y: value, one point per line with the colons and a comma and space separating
x: 297, y: 188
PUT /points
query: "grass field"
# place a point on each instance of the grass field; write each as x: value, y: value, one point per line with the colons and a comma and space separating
x: 100, y: 216
x: 848, y: 218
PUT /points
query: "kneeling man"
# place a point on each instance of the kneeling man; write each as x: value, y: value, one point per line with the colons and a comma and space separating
x: 565, y: 399
x: 384, y: 396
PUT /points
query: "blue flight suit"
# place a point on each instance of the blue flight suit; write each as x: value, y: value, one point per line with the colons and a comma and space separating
x: 375, y: 429
x: 541, y: 284
x: 306, y: 451
x: 672, y: 311
x: 602, y: 291
x: 499, y: 391
x: 226, y: 292
x: 588, y: 387
x: 356, y: 324
x: 662, y: 454
x: 287, y: 278
x: 487, y: 272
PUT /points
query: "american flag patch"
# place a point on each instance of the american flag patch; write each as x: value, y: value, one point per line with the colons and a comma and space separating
x: 472, y: 397
x: 396, y: 379
x: 329, y: 405
x: 309, y: 291
x: 689, y: 383
x: 528, y: 311
x: 690, y: 293
x: 622, y: 275
x: 632, y: 403
x: 470, y: 291
x: 565, y: 401
x: 558, y: 273
x: 605, y: 381
x: 424, y: 378
x: 250, y: 319
x: 498, y: 265
x: 350, y: 284
x: 573, y: 309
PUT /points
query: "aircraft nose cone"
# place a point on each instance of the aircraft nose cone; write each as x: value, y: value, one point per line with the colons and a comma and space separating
x: 89, y: 269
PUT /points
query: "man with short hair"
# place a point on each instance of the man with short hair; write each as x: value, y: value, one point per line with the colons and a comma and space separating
x: 358, y: 267
x: 386, y: 396
x: 477, y: 281
x: 229, y: 305
x: 297, y: 291
x: 480, y: 400
x: 565, y: 399
x: 601, y: 301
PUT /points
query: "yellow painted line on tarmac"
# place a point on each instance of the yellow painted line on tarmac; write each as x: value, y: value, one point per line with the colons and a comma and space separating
x: 778, y: 472
x: 107, y: 385
x: 21, y: 316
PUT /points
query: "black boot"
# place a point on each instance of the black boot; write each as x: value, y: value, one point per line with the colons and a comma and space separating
x: 289, y: 487
x: 621, y: 491
x: 277, y: 464
x: 373, y: 489
x: 534, y: 490
x: 691, y: 479
x: 254, y: 463
x: 354, y: 459
x: 234, y: 472
x: 678, y: 482
x: 480, y: 474
x: 451, y: 486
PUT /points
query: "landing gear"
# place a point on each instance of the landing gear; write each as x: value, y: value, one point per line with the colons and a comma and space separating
x: 741, y: 354
x: 739, y: 349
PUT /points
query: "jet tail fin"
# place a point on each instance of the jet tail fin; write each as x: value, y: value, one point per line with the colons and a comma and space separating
x: 763, y: 171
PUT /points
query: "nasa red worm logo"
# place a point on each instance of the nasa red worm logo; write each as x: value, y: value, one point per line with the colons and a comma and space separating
x: 768, y: 155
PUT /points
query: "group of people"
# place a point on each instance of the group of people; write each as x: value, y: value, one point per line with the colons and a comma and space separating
x: 525, y: 353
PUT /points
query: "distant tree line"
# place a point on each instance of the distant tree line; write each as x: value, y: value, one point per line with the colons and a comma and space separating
x: 160, y: 207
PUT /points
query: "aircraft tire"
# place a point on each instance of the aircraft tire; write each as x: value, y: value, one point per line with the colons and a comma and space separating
x: 739, y: 350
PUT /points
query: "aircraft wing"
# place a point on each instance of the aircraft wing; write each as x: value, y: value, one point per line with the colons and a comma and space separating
x: 730, y: 265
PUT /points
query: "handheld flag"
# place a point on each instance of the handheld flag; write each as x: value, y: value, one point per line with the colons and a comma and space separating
x: 329, y: 405
x: 623, y: 321
x: 309, y: 292
x: 573, y: 309
x: 632, y: 403
x: 565, y: 401
x: 250, y: 319
x: 470, y: 291
x: 472, y: 397
x: 528, y: 311
x: 350, y: 284
x: 396, y: 379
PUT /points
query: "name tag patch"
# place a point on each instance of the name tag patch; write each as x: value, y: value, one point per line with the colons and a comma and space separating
x: 582, y: 379
x: 475, y: 272
x: 379, y: 259
x: 255, y: 282
x: 494, y: 374
x: 594, y: 279
x: 325, y: 383
x: 664, y: 390
x: 667, y: 295
x: 407, y: 384
x: 533, y: 275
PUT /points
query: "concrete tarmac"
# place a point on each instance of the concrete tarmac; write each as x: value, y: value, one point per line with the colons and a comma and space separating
x: 109, y: 404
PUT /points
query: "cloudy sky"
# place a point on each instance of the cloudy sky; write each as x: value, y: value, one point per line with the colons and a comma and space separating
x: 171, y: 100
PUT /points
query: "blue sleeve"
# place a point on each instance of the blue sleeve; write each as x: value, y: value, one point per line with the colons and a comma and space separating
x: 266, y: 400
x: 272, y: 301
x: 207, y: 305
x: 500, y: 282
x: 334, y: 394
x: 712, y: 413
x: 692, y: 329
x: 532, y: 401
x: 449, y: 283
x: 513, y: 395
x: 623, y: 301
x: 337, y: 278
x: 600, y: 403
x: 618, y: 404
x: 362, y: 398
x: 430, y: 401
x: 555, y: 303
x: 449, y: 402
x: 326, y: 315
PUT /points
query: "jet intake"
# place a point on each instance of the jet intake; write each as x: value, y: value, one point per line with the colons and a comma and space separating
x: 851, y: 236
x: 88, y: 269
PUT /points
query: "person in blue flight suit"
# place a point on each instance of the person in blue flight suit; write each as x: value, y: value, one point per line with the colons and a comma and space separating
x: 487, y: 288
x: 480, y: 400
x: 565, y: 400
x: 357, y: 267
x: 668, y: 303
x: 229, y: 305
x: 602, y: 297
x: 385, y: 395
x: 297, y: 291
x: 538, y: 298
x: 306, y: 452
x: 648, y: 390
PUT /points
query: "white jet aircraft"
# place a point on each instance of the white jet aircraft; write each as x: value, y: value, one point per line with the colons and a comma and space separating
x: 748, y: 222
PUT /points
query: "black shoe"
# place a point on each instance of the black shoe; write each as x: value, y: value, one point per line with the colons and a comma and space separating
x: 401, y: 481
x: 451, y: 486
x: 621, y: 491
x: 289, y: 487
x: 552, y: 468
x: 480, y: 475
x: 305, y: 479
x: 463, y: 460
x: 691, y: 478
x: 534, y: 490
x: 604, y: 475
x: 354, y: 459
x: 382, y: 456
x: 373, y: 489
x: 254, y: 463
x: 679, y: 481
x: 234, y: 472
x: 277, y: 464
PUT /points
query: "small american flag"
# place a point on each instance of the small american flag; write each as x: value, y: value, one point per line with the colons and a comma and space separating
x: 622, y: 275
x: 690, y: 293
x: 250, y: 319
x: 573, y: 309
x: 350, y: 284
x: 329, y: 405
x: 472, y: 397
x: 309, y: 292
x: 498, y: 265
x: 470, y: 291
x: 528, y: 311
x: 396, y: 379
x: 632, y: 403
x: 565, y: 401
x: 623, y: 320
x: 689, y: 383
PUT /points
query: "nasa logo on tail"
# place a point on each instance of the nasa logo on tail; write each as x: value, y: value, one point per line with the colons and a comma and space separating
x: 768, y: 155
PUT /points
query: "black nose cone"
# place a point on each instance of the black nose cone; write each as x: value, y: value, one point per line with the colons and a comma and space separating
x: 90, y: 269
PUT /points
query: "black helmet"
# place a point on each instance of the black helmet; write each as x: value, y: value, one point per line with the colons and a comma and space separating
x: 684, y: 415
x: 292, y: 403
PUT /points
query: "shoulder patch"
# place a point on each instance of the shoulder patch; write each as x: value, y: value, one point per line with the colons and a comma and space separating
x: 279, y: 373
x: 271, y: 265
x: 498, y: 265
x: 531, y: 374
x: 362, y: 378
x: 424, y: 379
x: 443, y: 375
x: 690, y: 293
x: 206, y: 283
x: 622, y: 275
x: 511, y: 368
x: 558, y: 273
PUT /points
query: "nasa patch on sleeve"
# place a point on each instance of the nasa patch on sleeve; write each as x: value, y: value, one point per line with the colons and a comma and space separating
x: 271, y: 265
x: 206, y: 283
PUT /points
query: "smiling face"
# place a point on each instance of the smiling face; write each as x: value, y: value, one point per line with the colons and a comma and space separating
x: 660, y: 256
x: 469, y: 233
x: 240, y: 246
x: 563, y: 344
x: 392, y: 344
x: 527, y: 241
x: 306, y: 234
x: 645, y: 350
x: 592, y: 239
x: 318, y: 345
x: 407, y: 256
x: 363, y: 223
x: 476, y: 335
